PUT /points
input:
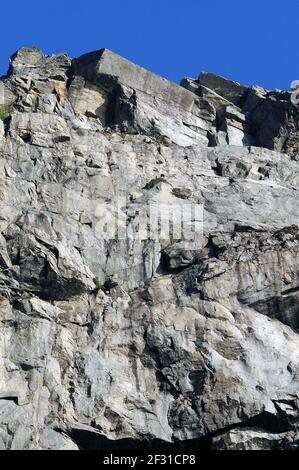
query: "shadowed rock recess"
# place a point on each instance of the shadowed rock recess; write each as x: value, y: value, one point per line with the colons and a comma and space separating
x: 127, y: 343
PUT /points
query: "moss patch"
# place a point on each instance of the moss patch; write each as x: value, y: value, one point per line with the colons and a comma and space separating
x: 5, y: 111
x: 161, y: 140
x: 27, y: 288
x: 98, y: 284
x: 131, y: 130
x: 34, y: 103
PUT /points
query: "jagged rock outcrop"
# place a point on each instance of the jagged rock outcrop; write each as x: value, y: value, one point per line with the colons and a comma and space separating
x: 249, y: 115
x: 114, y: 341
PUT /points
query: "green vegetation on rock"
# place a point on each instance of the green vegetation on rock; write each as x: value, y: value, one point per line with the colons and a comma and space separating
x: 152, y: 183
x: 181, y: 194
x: 5, y: 110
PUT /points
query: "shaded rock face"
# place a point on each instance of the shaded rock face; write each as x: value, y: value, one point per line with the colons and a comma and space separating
x: 249, y: 115
x: 113, y: 342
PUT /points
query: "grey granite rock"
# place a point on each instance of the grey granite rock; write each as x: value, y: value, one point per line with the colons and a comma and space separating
x: 32, y: 62
x: 109, y: 340
x: 256, y: 439
x: 129, y: 96
x: 249, y: 115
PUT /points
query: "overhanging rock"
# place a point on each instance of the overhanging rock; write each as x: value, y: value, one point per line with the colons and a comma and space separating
x: 141, y: 101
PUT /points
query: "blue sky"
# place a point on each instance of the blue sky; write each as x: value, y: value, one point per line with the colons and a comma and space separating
x: 254, y: 42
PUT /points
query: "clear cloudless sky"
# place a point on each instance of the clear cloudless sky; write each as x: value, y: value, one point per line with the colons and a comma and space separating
x: 253, y: 42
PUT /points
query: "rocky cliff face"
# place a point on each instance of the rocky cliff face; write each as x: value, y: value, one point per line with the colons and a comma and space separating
x: 113, y: 341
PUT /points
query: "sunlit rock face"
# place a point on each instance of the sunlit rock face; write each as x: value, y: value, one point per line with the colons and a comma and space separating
x: 114, y: 341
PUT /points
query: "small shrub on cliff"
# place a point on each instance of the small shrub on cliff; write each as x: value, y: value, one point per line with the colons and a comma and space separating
x: 180, y: 193
x: 152, y: 183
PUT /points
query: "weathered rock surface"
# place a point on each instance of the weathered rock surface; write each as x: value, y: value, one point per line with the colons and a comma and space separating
x: 116, y: 341
x: 249, y: 115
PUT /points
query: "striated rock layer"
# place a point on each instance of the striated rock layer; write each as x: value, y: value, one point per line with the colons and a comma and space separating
x: 113, y: 342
